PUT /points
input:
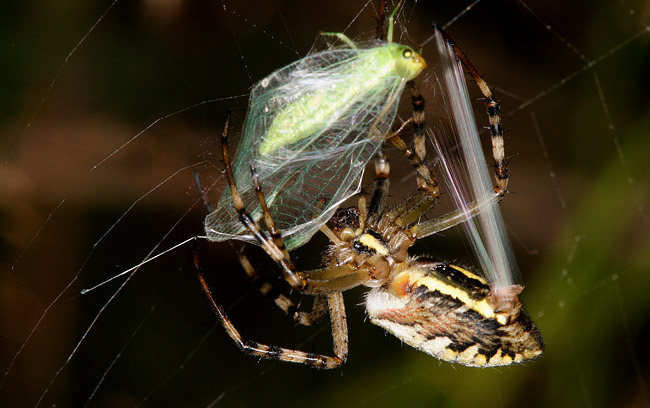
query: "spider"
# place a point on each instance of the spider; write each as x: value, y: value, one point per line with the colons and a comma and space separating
x: 444, y: 310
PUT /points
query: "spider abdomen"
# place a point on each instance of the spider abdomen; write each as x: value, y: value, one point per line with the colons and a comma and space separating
x: 445, y: 311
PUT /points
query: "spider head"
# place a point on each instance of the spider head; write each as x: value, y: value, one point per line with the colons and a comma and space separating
x: 346, y: 223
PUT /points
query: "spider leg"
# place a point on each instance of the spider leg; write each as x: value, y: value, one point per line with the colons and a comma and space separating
x: 494, y: 114
x: 339, y: 332
x: 380, y: 185
x: 268, y: 219
x: 319, y: 308
x: 498, y: 152
x: 344, y: 277
x: 338, y: 278
x: 426, y: 180
x: 339, y: 326
x: 428, y: 192
x: 327, y: 291
x: 277, y: 253
x: 417, y: 204
x: 417, y: 154
x: 449, y: 220
x: 411, y: 209
x: 202, y: 193
x: 320, y: 282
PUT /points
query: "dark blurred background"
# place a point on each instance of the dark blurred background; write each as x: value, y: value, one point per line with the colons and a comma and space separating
x: 82, y: 199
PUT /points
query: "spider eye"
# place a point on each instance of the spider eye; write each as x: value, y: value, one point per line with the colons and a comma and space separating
x: 407, y: 53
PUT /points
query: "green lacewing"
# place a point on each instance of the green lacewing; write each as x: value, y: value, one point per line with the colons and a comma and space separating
x: 310, y: 130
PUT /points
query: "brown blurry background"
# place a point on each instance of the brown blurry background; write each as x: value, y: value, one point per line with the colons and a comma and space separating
x: 82, y: 199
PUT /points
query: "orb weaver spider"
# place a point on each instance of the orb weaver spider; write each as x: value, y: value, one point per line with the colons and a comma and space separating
x: 444, y: 310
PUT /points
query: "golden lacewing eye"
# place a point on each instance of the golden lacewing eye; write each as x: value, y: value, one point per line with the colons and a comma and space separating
x: 407, y: 53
